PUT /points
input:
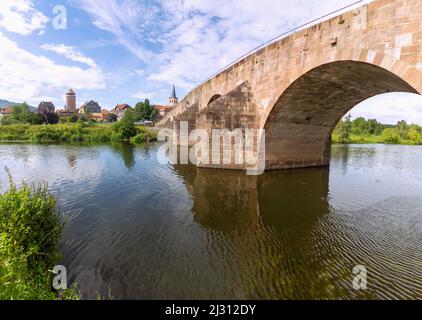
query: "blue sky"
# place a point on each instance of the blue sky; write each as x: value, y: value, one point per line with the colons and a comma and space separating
x: 123, y: 51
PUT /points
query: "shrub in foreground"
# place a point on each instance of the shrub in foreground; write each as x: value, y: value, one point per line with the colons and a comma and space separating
x: 30, y: 228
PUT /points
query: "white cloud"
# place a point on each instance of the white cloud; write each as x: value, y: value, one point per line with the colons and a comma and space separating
x: 70, y: 53
x: 203, y: 36
x: 389, y: 108
x: 127, y: 20
x: 20, y: 16
x: 36, y: 78
x: 185, y: 41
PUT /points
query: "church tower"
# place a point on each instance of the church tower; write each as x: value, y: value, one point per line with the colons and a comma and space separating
x: 173, y: 100
x: 70, y: 101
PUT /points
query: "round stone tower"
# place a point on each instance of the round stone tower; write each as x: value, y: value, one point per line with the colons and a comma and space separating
x: 71, y: 101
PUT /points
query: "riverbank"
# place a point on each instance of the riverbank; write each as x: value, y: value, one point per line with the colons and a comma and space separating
x: 74, y: 132
x: 374, y: 139
x: 30, y: 229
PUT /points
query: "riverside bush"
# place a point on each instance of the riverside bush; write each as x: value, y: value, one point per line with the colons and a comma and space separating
x: 143, y: 136
x: 72, y: 132
x: 30, y: 228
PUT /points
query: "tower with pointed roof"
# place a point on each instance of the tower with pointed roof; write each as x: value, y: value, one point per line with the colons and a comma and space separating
x: 70, y: 101
x: 173, y: 100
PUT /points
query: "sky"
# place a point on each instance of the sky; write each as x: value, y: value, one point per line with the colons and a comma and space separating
x: 123, y: 51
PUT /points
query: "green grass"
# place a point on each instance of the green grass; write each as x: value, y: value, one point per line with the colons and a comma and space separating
x: 69, y: 132
x: 30, y: 228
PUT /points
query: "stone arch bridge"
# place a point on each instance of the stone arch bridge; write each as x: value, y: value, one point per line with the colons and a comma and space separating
x: 299, y: 87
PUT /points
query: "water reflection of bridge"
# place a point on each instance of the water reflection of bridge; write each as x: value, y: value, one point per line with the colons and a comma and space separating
x: 267, y: 226
x: 230, y: 200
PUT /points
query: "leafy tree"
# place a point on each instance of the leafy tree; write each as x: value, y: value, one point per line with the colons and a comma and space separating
x: 373, y: 127
x: 414, y: 135
x: 154, y: 114
x: 359, y: 126
x: 8, y: 120
x: 126, y: 128
x: 144, y: 110
x: 21, y: 112
x: 344, y: 129
x: 73, y: 118
x: 36, y: 118
x: 391, y: 136
x: 402, y: 129
x: 83, y: 118
x: 51, y: 118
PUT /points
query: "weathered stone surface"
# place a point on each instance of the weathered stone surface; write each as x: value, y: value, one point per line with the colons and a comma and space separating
x: 303, y: 84
x: 235, y: 111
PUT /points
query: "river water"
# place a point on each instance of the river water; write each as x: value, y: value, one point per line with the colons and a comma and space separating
x: 151, y: 231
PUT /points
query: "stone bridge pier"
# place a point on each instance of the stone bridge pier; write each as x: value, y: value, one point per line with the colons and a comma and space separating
x: 298, y: 88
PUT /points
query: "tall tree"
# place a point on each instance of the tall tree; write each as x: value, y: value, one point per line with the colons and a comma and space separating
x: 403, y: 129
x: 21, y: 112
x: 144, y: 110
x: 345, y: 128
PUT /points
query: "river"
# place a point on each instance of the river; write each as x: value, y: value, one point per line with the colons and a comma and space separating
x: 151, y: 231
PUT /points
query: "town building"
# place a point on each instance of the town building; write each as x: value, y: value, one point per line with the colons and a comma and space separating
x: 99, y: 116
x: 163, y: 110
x: 46, y: 107
x: 90, y: 107
x: 120, y: 110
x: 6, y: 111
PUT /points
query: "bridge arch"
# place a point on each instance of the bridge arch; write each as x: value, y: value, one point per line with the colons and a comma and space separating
x: 299, y: 126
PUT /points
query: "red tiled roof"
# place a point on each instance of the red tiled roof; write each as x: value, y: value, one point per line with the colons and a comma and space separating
x: 6, y: 110
x: 163, y: 108
x: 122, y: 107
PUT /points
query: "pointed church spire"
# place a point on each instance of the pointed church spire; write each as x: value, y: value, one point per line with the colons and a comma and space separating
x: 173, y: 94
x: 173, y: 99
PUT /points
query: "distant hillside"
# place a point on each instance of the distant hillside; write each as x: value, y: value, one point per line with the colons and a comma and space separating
x: 4, y: 103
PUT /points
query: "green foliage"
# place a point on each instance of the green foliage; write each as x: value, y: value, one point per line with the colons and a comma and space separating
x: 143, y: 136
x: 9, y: 120
x: 371, y: 131
x: 343, y: 130
x: 143, y: 110
x: 73, y: 118
x: 373, y: 127
x: 72, y: 132
x: 415, y: 135
x: 50, y: 118
x: 22, y: 113
x: 361, y: 126
x: 36, y: 118
x: 391, y: 136
x: 402, y: 129
x: 125, y: 128
x: 30, y: 228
